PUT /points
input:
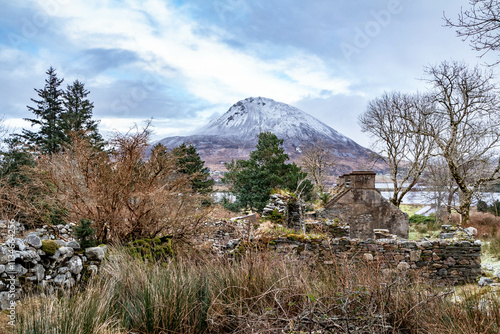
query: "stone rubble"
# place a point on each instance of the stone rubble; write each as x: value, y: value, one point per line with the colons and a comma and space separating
x: 33, y: 268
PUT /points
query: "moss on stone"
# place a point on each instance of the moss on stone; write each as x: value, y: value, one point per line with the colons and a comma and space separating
x: 296, y: 237
x: 49, y: 247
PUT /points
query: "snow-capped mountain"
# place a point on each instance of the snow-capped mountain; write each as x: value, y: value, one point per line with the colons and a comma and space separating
x: 247, y: 118
x: 234, y: 135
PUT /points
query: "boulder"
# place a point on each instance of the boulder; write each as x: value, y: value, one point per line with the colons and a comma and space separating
x: 34, y: 241
x: 75, y: 265
x: 95, y: 253
x: 483, y: 281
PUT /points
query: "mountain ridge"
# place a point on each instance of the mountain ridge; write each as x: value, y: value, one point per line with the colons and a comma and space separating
x: 233, y: 135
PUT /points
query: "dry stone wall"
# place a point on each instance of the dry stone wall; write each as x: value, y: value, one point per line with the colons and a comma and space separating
x: 450, y: 260
x: 41, y: 262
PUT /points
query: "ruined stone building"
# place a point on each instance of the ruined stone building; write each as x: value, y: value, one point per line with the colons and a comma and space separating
x: 361, y: 206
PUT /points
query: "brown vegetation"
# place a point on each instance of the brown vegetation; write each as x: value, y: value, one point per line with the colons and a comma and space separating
x: 256, y: 293
x: 126, y: 193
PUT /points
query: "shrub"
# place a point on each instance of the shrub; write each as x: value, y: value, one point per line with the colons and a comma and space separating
x: 417, y: 219
x: 157, y: 249
x: 256, y: 294
x: 85, y: 234
x: 276, y: 217
x: 127, y: 192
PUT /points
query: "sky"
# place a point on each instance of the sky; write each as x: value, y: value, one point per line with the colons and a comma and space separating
x: 183, y: 63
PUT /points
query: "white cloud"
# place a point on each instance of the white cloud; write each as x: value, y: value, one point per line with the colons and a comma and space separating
x: 208, y: 68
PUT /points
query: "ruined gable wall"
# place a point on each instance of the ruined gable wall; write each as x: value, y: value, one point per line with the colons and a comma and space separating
x: 365, y: 210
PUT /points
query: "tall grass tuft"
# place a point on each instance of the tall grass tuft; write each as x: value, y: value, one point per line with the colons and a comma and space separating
x: 258, y: 292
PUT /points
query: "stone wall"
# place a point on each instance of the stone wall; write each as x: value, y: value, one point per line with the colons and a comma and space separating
x: 365, y: 210
x: 450, y: 260
x: 291, y: 208
x: 38, y: 262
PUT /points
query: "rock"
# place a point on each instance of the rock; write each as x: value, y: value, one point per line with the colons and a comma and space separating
x: 6, y: 299
x: 34, y: 241
x: 19, y: 244
x: 450, y: 261
x: 62, y: 270
x: 70, y: 282
x: 232, y: 243
x: 56, y: 255
x: 95, y: 253
x: 403, y: 266
x: 66, y: 251
x: 483, y: 281
x: 368, y: 256
x: 28, y: 256
x: 415, y: 255
x: 4, y: 254
x: 64, y: 231
x: 73, y: 244
x: 61, y: 243
x: 15, y: 269
x: 39, y: 272
x: 2, y: 268
x: 442, y: 272
x: 75, y: 265
x: 59, y: 279
x: 472, y: 231
x: 477, y: 242
x: 446, y: 235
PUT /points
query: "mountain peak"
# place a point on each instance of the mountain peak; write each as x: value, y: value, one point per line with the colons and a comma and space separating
x: 253, y: 115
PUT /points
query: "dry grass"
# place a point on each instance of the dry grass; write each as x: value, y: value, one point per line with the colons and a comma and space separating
x: 487, y: 225
x: 257, y: 293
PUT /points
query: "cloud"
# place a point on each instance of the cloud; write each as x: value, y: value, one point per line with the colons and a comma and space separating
x: 207, y: 67
x: 182, y: 62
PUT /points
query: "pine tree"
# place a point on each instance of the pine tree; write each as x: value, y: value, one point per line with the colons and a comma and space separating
x: 252, y: 180
x: 77, y: 115
x: 189, y: 162
x: 48, y: 110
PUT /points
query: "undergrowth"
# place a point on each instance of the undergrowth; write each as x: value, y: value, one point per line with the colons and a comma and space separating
x: 259, y: 292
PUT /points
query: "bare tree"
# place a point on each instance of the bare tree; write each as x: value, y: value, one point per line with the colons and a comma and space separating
x: 441, y: 186
x: 465, y: 126
x: 317, y: 160
x: 480, y: 24
x: 393, y: 120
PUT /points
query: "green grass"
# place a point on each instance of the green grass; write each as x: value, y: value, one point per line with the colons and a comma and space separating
x: 410, y: 209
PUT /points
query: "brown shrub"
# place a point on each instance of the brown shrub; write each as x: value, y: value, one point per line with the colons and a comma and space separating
x: 487, y: 224
x: 125, y: 193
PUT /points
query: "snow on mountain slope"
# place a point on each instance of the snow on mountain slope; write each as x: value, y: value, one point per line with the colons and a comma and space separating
x: 247, y: 118
x: 234, y: 135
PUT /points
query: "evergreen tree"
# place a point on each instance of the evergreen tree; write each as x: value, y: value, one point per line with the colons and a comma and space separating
x: 60, y: 115
x: 252, y: 180
x: 77, y: 115
x: 12, y: 163
x: 189, y: 162
x: 48, y: 110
